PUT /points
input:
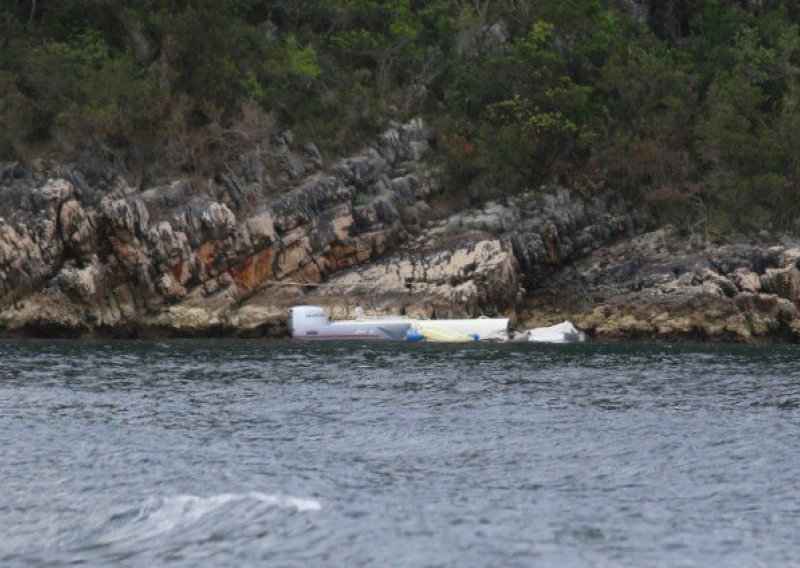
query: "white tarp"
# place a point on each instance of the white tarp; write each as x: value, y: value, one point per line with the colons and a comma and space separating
x: 561, y: 333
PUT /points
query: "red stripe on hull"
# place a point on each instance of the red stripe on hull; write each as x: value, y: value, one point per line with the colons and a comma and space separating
x: 337, y: 336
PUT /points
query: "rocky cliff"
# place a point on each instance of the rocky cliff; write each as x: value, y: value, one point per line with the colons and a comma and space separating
x: 230, y: 256
x: 179, y: 260
x: 654, y: 286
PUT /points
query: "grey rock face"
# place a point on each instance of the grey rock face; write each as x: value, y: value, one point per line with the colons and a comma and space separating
x: 652, y: 286
x: 479, y: 262
x: 169, y: 258
x: 78, y: 258
x: 363, y: 230
x: 360, y: 232
x: 547, y: 230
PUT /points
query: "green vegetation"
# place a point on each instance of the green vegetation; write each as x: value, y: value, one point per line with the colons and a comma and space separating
x: 699, y: 115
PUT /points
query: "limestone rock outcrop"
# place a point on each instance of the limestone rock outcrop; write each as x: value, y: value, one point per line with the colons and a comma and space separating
x: 175, y: 258
x: 653, y: 287
x: 231, y: 256
x: 472, y: 278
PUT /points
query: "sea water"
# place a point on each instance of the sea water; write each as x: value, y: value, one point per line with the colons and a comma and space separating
x: 254, y: 453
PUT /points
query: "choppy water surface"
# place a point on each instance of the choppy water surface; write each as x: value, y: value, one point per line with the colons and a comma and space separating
x: 254, y: 452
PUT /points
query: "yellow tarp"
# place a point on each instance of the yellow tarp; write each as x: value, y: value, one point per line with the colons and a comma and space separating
x: 433, y: 333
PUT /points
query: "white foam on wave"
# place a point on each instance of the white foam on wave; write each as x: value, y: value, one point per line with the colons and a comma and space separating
x: 202, y: 505
x: 162, y: 515
x: 302, y: 504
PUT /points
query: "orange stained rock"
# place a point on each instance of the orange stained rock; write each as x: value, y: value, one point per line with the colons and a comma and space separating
x: 254, y: 270
x: 177, y: 271
x: 207, y: 253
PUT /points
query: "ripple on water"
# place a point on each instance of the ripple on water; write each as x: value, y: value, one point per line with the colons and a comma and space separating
x: 183, y: 526
x: 424, y: 454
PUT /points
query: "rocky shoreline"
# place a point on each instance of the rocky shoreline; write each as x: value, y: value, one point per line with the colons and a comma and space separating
x: 655, y: 287
x: 279, y: 228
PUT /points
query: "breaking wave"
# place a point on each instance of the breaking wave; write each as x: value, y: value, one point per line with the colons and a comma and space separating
x: 196, y: 518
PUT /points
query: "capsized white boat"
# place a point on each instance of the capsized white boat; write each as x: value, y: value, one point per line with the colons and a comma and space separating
x: 561, y: 333
x: 311, y: 322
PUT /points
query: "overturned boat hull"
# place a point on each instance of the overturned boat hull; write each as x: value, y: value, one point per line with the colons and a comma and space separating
x: 561, y: 333
x: 311, y: 322
x: 347, y: 330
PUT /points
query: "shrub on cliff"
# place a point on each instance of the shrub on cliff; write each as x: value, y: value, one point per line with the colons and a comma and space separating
x: 696, y: 113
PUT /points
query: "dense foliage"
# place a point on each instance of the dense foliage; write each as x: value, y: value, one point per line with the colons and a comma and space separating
x: 698, y: 113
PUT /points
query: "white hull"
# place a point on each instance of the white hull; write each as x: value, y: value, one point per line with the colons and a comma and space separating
x: 562, y: 333
x: 311, y: 322
x: 355, y: 330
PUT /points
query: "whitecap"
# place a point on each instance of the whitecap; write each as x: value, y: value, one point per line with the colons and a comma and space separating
x: 159, y: 516
x: 302, y: 504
